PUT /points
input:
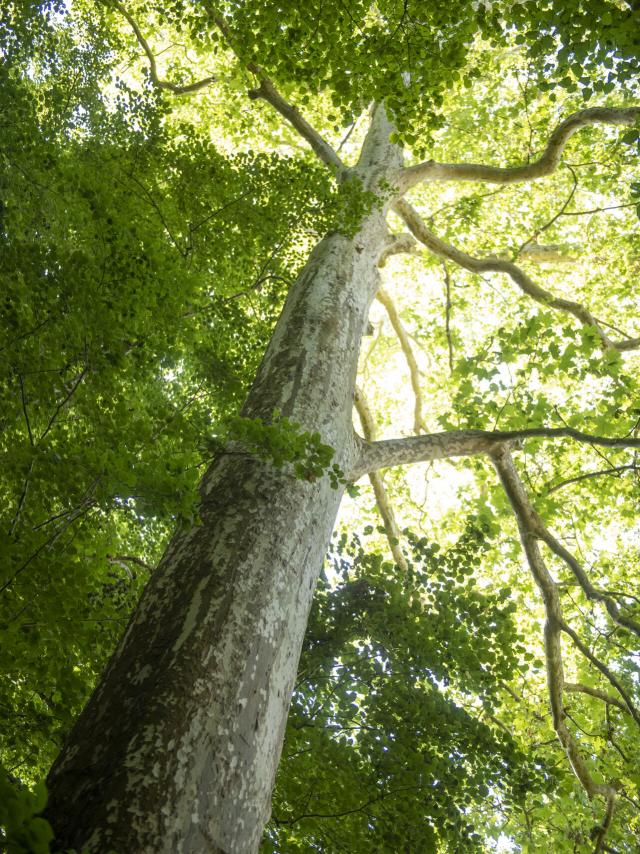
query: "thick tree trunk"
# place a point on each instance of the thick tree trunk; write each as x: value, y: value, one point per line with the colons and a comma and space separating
x: 178, y: 747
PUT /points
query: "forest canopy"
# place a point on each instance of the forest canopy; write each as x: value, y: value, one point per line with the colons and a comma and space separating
x: 165, y: 171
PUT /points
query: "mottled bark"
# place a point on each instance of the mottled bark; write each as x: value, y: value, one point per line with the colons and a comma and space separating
x: 178, y: 747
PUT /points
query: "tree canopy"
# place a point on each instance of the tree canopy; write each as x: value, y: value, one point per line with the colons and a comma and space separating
x: 166, y: 169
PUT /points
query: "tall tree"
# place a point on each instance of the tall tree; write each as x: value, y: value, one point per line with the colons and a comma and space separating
x: 191, y: 710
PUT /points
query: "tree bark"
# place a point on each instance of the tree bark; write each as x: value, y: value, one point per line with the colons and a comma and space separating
x: 178, y: 747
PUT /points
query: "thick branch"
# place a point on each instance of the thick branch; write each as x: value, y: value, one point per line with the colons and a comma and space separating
x: 527, y: 523
x: 544, y: 165
x: 268, y: 92
x: 496, y: 265
x: 186, y: 89
x: 417, y: 449
x: 382, y: 499
x: 398, y: 244
x: 465, y: 443
x: 405, y: 345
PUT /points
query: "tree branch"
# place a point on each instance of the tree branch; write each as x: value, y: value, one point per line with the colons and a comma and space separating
x: 496, y: 265
x: 382, y: 499
x: 77, y: 380
x: 548, y: 253
x: 176, y: 89
x: 539, y: 529
x: 22, y: 499
x: 583, y: 580
x: 615, y: 470
x: 447, y: 313
x: 526, y: 518
x: 124, y: 559
x: 82, y: 511
x: 405, y: 345
x: 606, y: 671
x: 416, y: 449
x: 578, y: 688
x: 544, y: 165
x: 555, y: 217
x: 268, y: 92
x: 465, y: 443
x: 398, y: 244
x: 25, y: 411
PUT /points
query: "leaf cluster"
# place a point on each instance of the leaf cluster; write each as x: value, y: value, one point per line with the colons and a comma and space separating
x: 281, y: 442
x: 391, y: 740
x: 21, y: 830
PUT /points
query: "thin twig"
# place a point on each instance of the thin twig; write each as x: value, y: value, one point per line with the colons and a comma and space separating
x: 176, y: 89
x: 614, y: 470
x: 24, y: 409
x: 23, y: 497
x: 64, y: 401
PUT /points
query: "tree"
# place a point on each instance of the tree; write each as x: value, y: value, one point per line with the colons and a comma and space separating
x: 192, y: 708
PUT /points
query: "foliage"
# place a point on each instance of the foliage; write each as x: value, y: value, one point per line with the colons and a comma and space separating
x: 146, y: 248
x: 282, y: 441
x: 390, y: 736
x: 131, y: 318
x: 21, y: 830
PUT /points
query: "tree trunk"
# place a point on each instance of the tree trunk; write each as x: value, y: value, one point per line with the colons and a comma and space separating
x: 178, y: 747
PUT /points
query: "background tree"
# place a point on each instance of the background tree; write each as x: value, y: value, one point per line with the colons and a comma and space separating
x: 111, y: 390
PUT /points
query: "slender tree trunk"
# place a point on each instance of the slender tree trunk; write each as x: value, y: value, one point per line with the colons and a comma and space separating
x: 178, y: 747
